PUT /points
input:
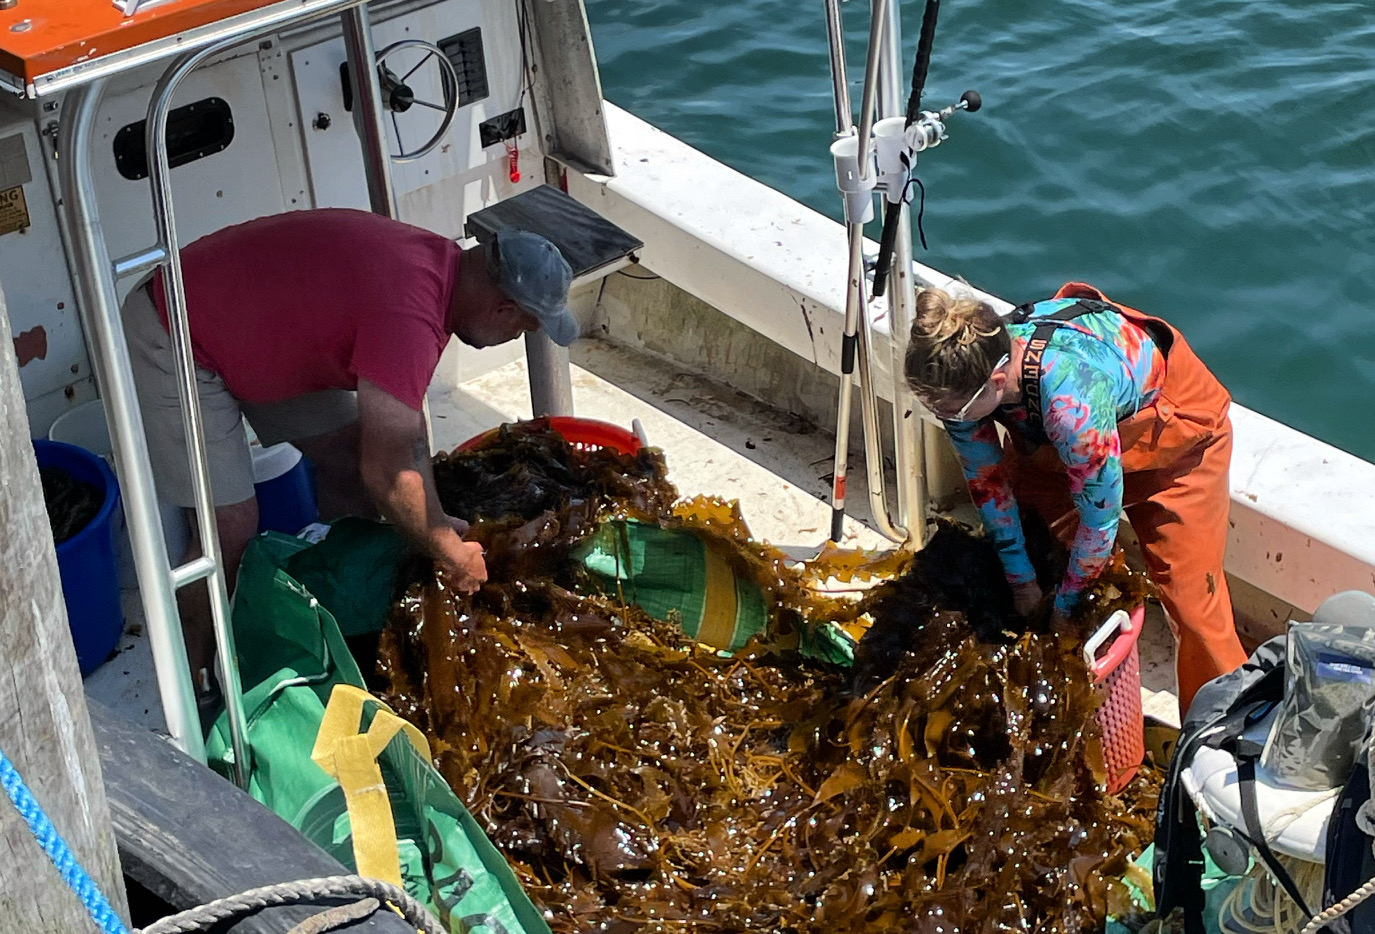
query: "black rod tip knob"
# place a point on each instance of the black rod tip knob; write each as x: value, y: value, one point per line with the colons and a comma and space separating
x: 971, y: 100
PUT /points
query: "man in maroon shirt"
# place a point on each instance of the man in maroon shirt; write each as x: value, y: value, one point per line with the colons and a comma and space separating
x: 323, y: 328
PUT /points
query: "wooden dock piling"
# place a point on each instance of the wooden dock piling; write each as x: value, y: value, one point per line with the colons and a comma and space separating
x: 44, y: 728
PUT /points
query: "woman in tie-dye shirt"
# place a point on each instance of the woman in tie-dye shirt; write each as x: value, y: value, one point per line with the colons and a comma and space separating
x: 1117, y: 429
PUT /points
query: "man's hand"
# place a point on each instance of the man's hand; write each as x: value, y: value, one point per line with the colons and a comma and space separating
x: 395, y: 465
x: 1026, y: 597
x: 462, y: 562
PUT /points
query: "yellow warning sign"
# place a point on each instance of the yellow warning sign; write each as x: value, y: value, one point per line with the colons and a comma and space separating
x: 14, y: 213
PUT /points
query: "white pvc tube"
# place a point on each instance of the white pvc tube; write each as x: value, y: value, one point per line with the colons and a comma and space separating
x: 857, y: 188
x: 889, y: 145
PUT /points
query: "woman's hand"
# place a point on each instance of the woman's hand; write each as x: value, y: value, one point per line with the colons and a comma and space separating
x: 1026, y: 597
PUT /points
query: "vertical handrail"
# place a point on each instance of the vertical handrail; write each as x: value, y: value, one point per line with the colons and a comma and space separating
x: 179, y: 329
x: 358, y: 38
x: 95, y: 277
x: 100, y: 316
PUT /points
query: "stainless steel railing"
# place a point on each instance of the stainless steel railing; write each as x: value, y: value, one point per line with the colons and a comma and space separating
x: 97, y: 277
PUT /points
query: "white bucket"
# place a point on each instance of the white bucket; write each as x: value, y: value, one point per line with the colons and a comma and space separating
x: 272, y: 461
x: 85, y: 427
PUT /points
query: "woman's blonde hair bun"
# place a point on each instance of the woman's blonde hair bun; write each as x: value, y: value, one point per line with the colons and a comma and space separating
x: 955, y: 342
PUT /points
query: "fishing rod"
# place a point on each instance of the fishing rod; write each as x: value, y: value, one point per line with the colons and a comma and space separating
x: 931, y: 133
x: 892, y: 208
x: 879, y: 154
x: 927, y: 130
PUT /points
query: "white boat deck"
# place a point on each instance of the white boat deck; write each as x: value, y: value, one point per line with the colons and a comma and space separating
x: 716, y: 442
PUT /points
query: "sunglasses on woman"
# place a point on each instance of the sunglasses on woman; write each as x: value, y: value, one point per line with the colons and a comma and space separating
x: 964, y: 409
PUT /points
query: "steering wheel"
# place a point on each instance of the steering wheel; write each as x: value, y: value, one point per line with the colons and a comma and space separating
x: 399, y: 97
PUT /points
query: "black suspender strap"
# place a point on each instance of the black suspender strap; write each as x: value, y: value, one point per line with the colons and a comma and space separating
x: 1031, y: 375
x: 1255, y: 833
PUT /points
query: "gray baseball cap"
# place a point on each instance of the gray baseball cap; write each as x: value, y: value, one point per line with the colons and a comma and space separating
x: 534, y: 273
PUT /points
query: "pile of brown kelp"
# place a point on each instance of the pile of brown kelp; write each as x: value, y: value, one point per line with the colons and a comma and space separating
x: 638, y: 782
x: 72, y: 503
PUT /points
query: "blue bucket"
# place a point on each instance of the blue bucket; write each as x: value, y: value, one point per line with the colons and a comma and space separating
x: 283, y: 488
x: 86, y: 561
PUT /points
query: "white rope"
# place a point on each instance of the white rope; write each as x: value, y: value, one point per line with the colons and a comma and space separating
x: 1277, y: 822
x: 1259, y: 905
x: 1341, y: 908
x: 307, y: 891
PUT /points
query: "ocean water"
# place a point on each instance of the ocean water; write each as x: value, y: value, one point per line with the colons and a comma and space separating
x: 1212, y: 162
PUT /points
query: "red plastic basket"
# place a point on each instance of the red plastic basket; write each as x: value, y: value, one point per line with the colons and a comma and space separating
x: 1117, y: 676
x: 582, y: 433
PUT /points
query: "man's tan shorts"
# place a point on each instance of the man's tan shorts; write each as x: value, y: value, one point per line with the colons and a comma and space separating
x: 228, y: 459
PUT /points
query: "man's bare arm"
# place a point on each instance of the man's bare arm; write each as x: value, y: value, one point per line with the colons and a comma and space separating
x: 397, y: 473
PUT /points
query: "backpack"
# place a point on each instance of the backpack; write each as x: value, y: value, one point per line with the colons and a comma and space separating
x: 1350, y: 858
x: 1222, y: 711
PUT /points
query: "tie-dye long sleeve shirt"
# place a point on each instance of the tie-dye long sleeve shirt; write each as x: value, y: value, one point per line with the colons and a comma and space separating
x: 1097, y: 369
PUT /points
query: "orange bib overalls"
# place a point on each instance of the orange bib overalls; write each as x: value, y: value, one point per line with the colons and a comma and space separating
x: 1175, y: 492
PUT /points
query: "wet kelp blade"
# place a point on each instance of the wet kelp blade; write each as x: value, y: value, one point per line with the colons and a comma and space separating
x: 639, y: 781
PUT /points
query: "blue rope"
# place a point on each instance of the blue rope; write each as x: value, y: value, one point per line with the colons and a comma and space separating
x: 57, y: 850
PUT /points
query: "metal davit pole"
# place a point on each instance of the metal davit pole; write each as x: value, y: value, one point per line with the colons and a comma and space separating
x: 100, y: 316
x: 898, y: 137
x: 908, y: 430
x: 367, y: 114
x: 551, y: 379
x: 210, y: 565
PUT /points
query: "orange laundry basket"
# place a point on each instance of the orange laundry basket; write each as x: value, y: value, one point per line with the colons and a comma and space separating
x: 582, y: 433
x: 1114, y: 658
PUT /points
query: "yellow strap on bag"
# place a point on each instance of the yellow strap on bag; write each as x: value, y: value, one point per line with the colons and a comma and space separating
x: 350, y: 758
x: 720, y: 605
